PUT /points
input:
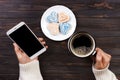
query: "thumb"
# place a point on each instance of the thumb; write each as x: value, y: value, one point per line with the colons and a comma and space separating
x: 98, y: 58
x: 17, y: 51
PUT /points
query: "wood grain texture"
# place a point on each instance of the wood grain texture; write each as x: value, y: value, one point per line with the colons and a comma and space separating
x: 58, y: 63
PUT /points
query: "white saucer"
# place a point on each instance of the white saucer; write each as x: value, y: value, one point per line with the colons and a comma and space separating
x: 58, y: 9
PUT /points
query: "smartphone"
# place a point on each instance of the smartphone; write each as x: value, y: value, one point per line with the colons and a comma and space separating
x: 23, y: 36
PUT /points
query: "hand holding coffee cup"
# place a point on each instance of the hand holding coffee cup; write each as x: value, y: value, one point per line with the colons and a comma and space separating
x: 82, y: 44
x: 102, y: 59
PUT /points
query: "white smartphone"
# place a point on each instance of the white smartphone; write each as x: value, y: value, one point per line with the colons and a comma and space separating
x: 23, y: 36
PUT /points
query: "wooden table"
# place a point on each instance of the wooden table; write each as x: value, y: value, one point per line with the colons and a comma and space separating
x: 102, y: 20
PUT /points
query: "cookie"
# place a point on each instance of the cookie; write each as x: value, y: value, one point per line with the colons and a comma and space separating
x: 53, y: 28
x: 53, y: 17
x: 64, y: 28
x: 63, y: 17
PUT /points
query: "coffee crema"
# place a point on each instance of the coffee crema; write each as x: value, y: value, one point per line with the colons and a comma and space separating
x: 82, y: 50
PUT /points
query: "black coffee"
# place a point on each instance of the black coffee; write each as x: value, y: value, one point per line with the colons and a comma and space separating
x: 82, y: 44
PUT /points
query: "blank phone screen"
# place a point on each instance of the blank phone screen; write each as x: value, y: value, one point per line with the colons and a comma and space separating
x: 26, y: 40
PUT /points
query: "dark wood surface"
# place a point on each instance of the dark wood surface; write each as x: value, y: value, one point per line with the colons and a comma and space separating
x: 102, y: 20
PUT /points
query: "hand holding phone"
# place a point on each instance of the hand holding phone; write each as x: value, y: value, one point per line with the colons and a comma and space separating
x: 21, y: 55
x: 28, y: 42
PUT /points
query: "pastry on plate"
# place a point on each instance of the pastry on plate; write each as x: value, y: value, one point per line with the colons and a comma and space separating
x: 63, y: 17
x: 53, y: 28
x: 64, y: 28
x: 53, y: 17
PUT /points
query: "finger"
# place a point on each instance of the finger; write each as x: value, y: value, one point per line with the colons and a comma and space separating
x: 108, y: 55
x: 100, y: 51
x: 106, y: 58
x: 99, y: 58
x: 17, y: 51
x: 22, y: 51
x: 104, y: 54
x: 43, y: 43
x: 46, y: 47
x: 98, y: 64
x: 19, y: 55
x: 25, y: 55
x: 16, y: 48
x: 40, y: 39
x: 97, y: 49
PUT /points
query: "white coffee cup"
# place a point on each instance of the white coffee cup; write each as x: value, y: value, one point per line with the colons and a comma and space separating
x: 82, y: 40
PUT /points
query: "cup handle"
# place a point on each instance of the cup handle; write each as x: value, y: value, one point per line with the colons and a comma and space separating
x: 94, y: 53
x: 93, y: 56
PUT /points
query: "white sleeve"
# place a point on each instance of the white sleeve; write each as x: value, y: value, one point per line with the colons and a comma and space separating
x: 30, y: 71
x: 104, y: 74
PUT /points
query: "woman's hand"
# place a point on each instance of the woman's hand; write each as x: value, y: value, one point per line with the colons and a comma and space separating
x: 102, y: 59
x: 22, y: 56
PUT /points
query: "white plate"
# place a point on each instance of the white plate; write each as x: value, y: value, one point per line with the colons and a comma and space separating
x: 58, y: 9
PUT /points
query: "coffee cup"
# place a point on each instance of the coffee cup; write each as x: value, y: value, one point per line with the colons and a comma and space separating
x: 82, y: 44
